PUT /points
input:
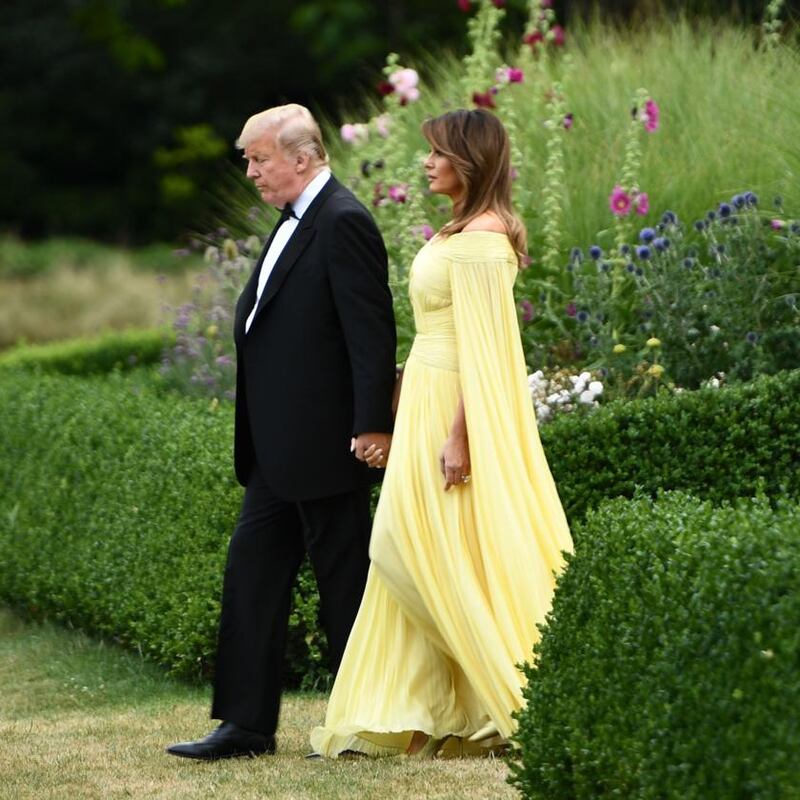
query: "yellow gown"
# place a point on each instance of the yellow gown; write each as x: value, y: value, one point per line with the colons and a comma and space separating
x: 458, y: 580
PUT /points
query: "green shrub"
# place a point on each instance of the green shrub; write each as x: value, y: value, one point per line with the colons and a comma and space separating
x: 669, y: 666
x: 118, y: 501
x: 716, y: 444
x: 116, y: 508
x: 86, y: 356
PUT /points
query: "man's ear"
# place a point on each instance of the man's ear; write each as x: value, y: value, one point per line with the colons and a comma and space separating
x: 301, y: 162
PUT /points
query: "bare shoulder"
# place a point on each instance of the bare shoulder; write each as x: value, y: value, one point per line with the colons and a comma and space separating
x: 488, y: 221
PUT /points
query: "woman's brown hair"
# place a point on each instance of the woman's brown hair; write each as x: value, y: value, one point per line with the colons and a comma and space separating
x: 477, y: 146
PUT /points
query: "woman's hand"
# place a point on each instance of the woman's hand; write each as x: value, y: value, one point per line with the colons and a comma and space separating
x: 454, y: 461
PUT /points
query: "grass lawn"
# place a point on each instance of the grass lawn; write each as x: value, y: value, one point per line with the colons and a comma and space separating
x: 81, y: 719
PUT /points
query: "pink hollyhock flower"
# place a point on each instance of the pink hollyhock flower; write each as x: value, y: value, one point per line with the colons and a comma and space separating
x: 405, y: 84
x: 642, y: 203
x: 464, y: 5
x: 385, y: 88
x: 572, y: 310
x: 777, y: 224
x: 398, y: 192
x: 620, y: 201
x: 515, y: 75
x: 354, y: 133
x: 526, y: 307
x: 483, y: 99
x: 650, y: 116
x: 533, y: 39
x: 557, y: 35
x: 427, y: 232
x: 499, y: 3
x: 568, y: 120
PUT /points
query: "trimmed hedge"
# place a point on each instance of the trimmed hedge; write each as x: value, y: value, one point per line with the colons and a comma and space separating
x: 116, y: 509
x: 713, y: 443
x: 115, y: 350
x: 118, y: 501
x: 669, y: 666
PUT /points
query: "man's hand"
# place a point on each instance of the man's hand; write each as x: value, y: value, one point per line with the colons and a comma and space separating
x: 373, y: 448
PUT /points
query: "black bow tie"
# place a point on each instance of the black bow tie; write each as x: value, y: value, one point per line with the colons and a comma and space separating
x: 287, y: 212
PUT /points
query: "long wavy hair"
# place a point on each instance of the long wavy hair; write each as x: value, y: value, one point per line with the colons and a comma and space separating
x: 477, y: 145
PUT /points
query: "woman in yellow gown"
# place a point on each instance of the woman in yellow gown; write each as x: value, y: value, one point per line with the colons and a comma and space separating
x: 469, y: 529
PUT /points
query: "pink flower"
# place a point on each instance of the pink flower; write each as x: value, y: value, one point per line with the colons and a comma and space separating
x: 546, y: 3
x: 777, y: 224
x: 499, y: 3
x: 398, y: 192
x: 533, y: 39
x: 526, y: 307
x: 425, y: 231
x: 568, y: 120
x: 571, y: 310
x: 515, y: 75
x: 642, y: 203
x: 354, y: 133
x: 557, y: 35
x: 513, y: 173
x: 385, y: 88
x: 405, y: 84
x: 483, y: 99
x: 464, y: 5
x: 620, y: 201
x: 650, y: 116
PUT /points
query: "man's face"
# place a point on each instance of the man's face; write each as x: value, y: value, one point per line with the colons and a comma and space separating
x: 277, y: 175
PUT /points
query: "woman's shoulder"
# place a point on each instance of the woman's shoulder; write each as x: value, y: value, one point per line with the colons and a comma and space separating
x: 488, y: 221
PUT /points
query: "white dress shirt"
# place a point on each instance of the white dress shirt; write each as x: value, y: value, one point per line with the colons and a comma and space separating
x: 284, y: 233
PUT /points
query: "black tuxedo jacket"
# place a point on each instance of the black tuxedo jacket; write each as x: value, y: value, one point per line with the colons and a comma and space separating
x: 318, y: 363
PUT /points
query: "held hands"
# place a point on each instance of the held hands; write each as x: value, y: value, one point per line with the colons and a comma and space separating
x: 373, y: 448
x: 454, y: 461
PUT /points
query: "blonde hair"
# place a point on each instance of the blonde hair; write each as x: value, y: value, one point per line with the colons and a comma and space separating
x: 296, y: 131
x: 477, y: 146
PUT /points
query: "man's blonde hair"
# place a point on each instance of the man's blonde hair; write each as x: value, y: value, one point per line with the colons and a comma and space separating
x: 296, y: 131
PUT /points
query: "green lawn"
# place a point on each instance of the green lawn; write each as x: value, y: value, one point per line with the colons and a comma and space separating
x: 81, y: 719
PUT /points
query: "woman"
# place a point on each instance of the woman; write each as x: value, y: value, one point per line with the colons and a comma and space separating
x: 469, y: 528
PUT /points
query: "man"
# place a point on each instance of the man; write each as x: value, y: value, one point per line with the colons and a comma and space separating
x: 315, y: 343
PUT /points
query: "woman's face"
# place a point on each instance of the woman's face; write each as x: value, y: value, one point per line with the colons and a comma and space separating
x: 442, y: 178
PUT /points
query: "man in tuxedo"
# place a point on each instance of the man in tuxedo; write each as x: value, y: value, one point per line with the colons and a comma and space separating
x: 315, y: 343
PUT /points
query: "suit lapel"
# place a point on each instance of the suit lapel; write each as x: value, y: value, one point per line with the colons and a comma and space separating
x: 294, y: 247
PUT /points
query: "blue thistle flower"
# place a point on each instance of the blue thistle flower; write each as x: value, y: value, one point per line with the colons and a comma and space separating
x: 643, y: 252
x: 661, y: 244
x: 725, y: 210
x: 630, y: 267
x: 738, y: 200
x: 669, y: 218
x: 646, y: 235
x: 576, y: 255
x: 661, y: 227
x: 795, y: 228
x: 700, y: 225
x: 692, y: 252
x: 624, y: 249
x: 751, y: 198
x: 752, y: 337
x: 688, y: 263
x: 711, y: 216
x: 604, y: 266
x: 582, y: 316
x: 639, y: 272
x: 595, y: 252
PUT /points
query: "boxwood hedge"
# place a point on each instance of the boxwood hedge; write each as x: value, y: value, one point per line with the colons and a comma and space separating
x: 115, y: 350
x: 669, y: 666
x: 118, y: 500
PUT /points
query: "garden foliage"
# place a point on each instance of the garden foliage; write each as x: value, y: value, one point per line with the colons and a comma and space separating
x: 118, y: 501
x: 116, y: 350
x: 668, y: 666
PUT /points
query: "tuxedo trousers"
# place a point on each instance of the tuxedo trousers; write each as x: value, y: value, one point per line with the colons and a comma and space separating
x: 269, y: 543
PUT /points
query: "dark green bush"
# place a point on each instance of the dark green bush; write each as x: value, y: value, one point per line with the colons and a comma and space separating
x: 87, y: 356
x: 117, y: 501
x: 116, y: 508
x: 716, y: 444
x: 669, y: 666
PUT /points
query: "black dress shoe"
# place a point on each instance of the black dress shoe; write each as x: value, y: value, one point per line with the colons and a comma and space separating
x: 226, y: 741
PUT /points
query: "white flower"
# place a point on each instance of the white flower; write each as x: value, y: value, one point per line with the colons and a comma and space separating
x: 354, y: 133
x: 596, y: 388
x: 543, y: 413
x: 714, y: 329
x: 383, y: 124
x: 585, y: 377
x: 553, y: 399
x: 587, y: 397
